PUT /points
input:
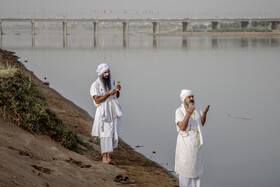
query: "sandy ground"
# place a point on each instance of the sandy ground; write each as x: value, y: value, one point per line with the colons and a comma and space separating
x: 28, y: 159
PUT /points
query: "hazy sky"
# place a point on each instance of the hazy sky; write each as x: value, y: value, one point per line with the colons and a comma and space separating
x: 140, y: 8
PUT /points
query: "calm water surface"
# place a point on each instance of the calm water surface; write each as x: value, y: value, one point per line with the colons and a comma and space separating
x: 237, y: 76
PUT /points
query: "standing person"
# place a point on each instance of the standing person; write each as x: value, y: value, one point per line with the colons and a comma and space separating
x: 189, y: 122
x: 107, y: 122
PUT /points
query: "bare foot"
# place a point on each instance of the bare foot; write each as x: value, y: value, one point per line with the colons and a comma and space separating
x: 106, y: 161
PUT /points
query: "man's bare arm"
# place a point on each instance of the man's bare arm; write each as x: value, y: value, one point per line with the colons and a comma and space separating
x: 184, y: 124
x: 117, y: 94
x: 203, y: 118
x: 101, y: 99
x: 118, y: 88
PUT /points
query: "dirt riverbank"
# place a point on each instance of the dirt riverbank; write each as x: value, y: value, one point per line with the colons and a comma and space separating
x: 28, y: 159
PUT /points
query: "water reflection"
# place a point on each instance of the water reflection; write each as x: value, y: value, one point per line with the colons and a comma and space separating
x: 95, y: 40
x: 155, y: 41
x: 215, y: 42
x: 64, y: 41
x: 275, y: 41
x: 184, y: 41
x: 125, y: 40
x: 33, y: 41
x: 244, y: 42
x: 76, y: 41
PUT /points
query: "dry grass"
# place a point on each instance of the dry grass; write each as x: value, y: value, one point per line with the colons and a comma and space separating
x: 7, y: 70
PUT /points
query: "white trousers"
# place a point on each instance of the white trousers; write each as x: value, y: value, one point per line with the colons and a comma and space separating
x: 189, y: 182
x: 108, y: 144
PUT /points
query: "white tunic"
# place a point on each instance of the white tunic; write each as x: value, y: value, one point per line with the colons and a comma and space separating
x: 101, y: 128
x: 188, y: 160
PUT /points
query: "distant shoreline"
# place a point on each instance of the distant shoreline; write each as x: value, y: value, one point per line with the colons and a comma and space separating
x: 149, y: 32
x: 274, y: 33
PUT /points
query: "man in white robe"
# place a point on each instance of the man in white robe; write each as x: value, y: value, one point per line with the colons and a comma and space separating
x: 189, y: 122
x: 107, y: 121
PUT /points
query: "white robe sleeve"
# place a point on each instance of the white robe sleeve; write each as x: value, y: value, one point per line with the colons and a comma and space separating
x: 179, y: 117
x: 94, y: 91
x: 200, y: 112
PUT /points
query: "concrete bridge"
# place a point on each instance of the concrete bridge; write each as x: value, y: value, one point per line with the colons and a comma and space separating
x: 245, y: 23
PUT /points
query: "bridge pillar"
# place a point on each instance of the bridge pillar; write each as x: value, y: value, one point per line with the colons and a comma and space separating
x: 125, y: 28
x: 185, y: 26
x: 275, y: 25
x: 125, y: 34
x: 33, y: 27
x: 64, y: 33
x: 155, y: 28
x: 64, y: 28
x: 215, y: 25
x: 125, y: 41
x: 33, y: 41
x: 96, y: 28
x: 245, y: 24
x: 96, y: 33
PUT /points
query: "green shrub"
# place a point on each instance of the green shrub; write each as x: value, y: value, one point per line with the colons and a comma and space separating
x: 22, y: 102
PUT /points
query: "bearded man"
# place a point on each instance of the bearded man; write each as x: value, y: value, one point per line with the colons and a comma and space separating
x: 190, y: 121
x: 107, y: 120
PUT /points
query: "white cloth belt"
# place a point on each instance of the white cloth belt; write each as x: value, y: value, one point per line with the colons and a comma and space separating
x: 197, y: 138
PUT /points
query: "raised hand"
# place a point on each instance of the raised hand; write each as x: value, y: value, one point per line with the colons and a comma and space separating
x: 206, y: 109
x: 118, y: 87
x: 189, y: 109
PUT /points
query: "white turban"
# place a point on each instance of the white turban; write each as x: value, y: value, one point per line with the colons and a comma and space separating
x: 185, y: 93
x: 102, y: 68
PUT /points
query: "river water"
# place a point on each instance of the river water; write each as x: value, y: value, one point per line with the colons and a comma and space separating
x: 238, y: 76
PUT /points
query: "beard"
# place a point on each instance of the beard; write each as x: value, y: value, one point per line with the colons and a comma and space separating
x: 107, y: 82
x: 190, y: 103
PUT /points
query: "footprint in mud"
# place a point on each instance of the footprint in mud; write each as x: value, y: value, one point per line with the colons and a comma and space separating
x: 24, y: 153
x: 42, y: 169
x: 77, y: 163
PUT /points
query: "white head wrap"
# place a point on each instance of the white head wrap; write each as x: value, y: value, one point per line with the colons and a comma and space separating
x: 185, y: 93
x: 102, y: 68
